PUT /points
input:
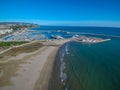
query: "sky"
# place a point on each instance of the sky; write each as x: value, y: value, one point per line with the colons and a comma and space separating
x: 61, y: 11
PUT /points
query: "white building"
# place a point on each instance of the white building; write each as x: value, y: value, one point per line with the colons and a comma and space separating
x: 4, y: 31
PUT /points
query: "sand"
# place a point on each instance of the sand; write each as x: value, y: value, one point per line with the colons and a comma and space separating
x: 35, y: 72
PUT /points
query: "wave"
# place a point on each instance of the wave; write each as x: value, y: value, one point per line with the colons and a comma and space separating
x: 66, y: 49
x: 62, y: 66
x: 62, y: 54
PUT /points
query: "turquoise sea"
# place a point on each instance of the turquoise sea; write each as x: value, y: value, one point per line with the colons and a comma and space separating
x: 80, y: 66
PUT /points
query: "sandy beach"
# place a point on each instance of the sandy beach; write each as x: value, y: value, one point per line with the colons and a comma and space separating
x: 33, y: 69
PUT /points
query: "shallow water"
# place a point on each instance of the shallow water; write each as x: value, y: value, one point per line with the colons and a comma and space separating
x: 93, y: 66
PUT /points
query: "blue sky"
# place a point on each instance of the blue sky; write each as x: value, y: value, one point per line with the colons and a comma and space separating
x: 60, y: 11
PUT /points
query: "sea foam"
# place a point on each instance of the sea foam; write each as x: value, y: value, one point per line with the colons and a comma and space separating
x: 62, y: 54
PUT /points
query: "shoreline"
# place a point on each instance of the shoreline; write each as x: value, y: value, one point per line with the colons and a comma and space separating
x: 43, y: 81
x: 56, y: 81
x: 49, y: 72
x: 52, y: 84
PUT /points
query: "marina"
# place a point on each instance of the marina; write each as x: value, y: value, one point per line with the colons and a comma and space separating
x: 31, y: 35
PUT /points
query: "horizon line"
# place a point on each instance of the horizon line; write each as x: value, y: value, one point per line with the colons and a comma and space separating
x: 68, y: 23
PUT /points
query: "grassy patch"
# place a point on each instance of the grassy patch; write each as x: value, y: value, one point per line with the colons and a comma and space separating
x: 22, y: 49
x: 11, y: 43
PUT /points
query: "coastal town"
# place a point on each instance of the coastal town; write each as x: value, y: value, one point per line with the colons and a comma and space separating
x: 17, y: 33
x: 10, y: 27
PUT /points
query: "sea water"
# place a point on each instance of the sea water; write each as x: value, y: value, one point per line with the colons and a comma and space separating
x: 80, y: 66
x: 93, y: 66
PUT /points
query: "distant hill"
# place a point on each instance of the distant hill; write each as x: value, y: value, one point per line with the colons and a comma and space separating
x: 18, y: 23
